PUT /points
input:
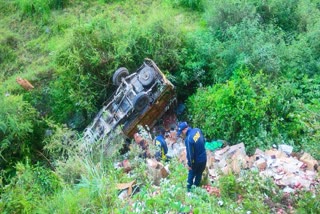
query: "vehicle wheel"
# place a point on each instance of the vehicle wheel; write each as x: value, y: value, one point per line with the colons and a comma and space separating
x: 141, y: 101
x: 146, y: 76
x: 118, y: 75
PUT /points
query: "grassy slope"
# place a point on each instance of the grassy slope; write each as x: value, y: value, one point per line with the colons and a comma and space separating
x: 38, y: 40
x: 34, y: 54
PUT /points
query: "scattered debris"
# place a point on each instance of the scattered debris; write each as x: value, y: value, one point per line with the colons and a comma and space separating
x: 126, y: 189
x: 126, y: 165
x: 311, y: 163
x: 212, y: 190
x: 24, y: 83
x: 287, y: 171
x: 157, y: 170
x: 214, y: 145
x: 285, y: 148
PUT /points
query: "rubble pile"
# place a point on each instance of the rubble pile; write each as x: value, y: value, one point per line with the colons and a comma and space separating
x: 288, y: 170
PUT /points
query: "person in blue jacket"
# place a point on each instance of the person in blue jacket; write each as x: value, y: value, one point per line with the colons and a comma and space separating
x: 161, y: 144
x: 196, y: 153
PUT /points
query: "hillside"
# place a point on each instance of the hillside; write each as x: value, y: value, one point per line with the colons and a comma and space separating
x: 247, y: 71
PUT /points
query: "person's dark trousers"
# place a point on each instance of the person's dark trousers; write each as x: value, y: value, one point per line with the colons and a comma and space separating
x: 195, y: 174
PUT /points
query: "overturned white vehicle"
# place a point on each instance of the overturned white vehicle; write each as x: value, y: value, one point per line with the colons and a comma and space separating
x: 140, y: 99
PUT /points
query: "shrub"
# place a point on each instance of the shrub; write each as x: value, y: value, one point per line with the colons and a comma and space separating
x: 234, y: 111
x: 308, y: 202
x: 305, y: 127
x: 61, y: 142
x: 74, y: 76
x: 197, y: 65
x: 262, y: 53
x: 285, y: 15
x: 26, y: 190
x: 290, y: 16
x: 301, y: 56
x: 208, y: 59
x: 39, y: 10
x: 91, y: 175
x: 17, y: 119
x: 197, y: 5
x: 221, y: 15
x: 251, y: 110
x: 229, y: 187
x: 36, y: 8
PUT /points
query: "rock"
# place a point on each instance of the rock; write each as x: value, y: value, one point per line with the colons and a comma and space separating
x: 238, y: 162
x: 220, y: 154
x: 309, y: 160
x: 126, y: 165
x: 288, y: 190
x: 258, y: 152
x: 250, y: 161
x: 226, y: 170
x: 285, y: 148
x: 157, y: 171
x: 210, y: 159
x: 261, y: 164
x: 275, y: 154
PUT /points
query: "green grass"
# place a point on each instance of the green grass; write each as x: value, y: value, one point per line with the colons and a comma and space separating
x: 69, y: 51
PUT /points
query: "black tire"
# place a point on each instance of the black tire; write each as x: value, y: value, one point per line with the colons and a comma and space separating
x: 141, y: 101
x: 146, y: 76
x: 118, y: 75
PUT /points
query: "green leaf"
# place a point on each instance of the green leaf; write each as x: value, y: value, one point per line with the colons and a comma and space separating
x: 3, y: 127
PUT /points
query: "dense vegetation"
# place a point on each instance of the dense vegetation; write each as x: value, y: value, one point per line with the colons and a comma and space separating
x: 253, y: 65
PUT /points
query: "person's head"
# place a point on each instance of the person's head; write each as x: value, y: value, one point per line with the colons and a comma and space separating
x: 137, y: 137
x: 161, y: 131
x: 173, y: 127
x: 182, y: 128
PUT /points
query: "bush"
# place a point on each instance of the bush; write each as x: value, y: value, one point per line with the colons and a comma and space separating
x: 26, y: 190
x: 208, y: 59
x: 308, y: 202
x: 284, y: 14
x: 262, y: 53
x: 91, y: 175
x: 38, y: 9
x: 251, y: 110
x: 301, y: 57
x: 221, y: 15
x: 212, y: 54
x: 197, y: 65
x: 290, y: 16
x: 234, y: 111
x: 229, y: 187
x: 197, y: 5
x: 17, y: 120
